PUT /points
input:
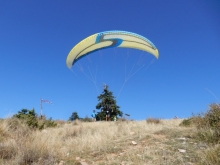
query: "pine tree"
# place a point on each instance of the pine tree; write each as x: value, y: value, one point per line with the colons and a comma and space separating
x: 74, y: 116
x: 107, y: 101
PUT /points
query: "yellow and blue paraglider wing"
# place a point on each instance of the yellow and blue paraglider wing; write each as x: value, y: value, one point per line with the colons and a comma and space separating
x: 110, y: 39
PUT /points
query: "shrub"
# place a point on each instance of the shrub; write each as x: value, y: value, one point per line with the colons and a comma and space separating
x: 213, y: 116
x: 29, y: 117
x: 44, y: 123
x: 211, y: 120
x: 186, y: 122
x: 207, y: 135
x: 208, y: 124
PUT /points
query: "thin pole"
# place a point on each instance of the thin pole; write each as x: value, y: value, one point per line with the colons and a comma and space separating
x: 41, y: 108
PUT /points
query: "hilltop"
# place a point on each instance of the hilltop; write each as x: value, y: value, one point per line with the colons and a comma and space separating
x: 86, y: 143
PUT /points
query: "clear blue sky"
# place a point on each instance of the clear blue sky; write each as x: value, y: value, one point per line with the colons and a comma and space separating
x: 36, y: 37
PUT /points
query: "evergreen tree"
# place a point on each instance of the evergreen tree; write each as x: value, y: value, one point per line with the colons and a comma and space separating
x: 74, y: 116
x: 107, y: 101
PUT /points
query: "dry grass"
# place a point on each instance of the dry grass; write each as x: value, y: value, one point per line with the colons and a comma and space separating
x: 99, y: 143
x: 153, y: 120
x: 211, y: 155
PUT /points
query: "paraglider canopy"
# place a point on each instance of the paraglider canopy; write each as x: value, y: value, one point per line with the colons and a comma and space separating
x: 110, y: 39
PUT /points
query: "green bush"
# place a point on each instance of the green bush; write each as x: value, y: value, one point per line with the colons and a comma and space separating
x: 187, y: 122
x: 43, y: 123
x: 29, y: 117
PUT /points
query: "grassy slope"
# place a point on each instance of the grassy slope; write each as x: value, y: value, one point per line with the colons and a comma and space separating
x: 101, y: 143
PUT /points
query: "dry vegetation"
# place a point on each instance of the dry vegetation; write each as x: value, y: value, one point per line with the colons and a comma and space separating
x: 193, y: 141
x: 100, y: 143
